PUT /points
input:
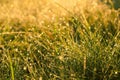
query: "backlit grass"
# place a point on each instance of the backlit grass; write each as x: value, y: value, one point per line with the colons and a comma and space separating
x: 54, y: 40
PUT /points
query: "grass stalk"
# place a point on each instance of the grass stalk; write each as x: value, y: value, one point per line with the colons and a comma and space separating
x: 11, y: 67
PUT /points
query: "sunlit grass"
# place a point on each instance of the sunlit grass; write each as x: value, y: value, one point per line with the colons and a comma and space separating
x: 56, y: 40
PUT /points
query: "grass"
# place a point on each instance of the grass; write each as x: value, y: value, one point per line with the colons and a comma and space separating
x: 47, y: 40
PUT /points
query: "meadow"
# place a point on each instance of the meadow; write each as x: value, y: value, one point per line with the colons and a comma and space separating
x: 59, y: 40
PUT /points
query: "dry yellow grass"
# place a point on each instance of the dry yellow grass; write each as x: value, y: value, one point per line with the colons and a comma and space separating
x: 39, y: 10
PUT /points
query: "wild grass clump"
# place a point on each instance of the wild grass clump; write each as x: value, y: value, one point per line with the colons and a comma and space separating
x: 39, y: 43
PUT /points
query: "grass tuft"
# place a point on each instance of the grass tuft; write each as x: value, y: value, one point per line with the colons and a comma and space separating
x: 51, y: 40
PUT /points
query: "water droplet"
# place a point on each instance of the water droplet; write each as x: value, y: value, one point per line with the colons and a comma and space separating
x: 16, y: 49
x: 116, y: 72
x: 30, y: 64
x: 38, y: 51
x: 24, y: 68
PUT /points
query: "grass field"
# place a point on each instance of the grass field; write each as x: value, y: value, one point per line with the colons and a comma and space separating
x: 59, y: 40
